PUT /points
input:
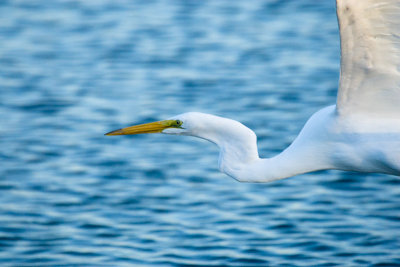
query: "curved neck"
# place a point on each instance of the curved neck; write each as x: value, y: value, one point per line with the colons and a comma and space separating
x: 239, y: 155
x: 292, y: 161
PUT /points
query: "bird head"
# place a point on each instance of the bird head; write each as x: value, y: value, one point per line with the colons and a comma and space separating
x: 206, y: 126
x: 237, y: 142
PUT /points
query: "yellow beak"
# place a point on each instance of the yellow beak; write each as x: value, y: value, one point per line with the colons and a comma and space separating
x: 153, y: 127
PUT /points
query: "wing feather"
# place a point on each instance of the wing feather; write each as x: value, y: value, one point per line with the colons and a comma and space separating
x: 370, y: 57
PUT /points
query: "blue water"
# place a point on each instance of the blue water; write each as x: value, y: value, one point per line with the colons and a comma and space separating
x: 72, y: 70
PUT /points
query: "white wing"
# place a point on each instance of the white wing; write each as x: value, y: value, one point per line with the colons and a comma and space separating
x: 370, y: 60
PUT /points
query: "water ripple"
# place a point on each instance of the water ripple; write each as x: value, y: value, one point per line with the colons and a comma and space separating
x: 72, y: 70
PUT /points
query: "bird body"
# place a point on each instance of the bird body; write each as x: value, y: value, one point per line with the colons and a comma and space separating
x: 327, y: 141
x: 360, y: 133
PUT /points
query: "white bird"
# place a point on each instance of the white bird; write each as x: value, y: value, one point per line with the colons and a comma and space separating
x: 360, y: 133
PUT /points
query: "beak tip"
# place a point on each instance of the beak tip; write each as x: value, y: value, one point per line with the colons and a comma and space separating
x: 116, y: 132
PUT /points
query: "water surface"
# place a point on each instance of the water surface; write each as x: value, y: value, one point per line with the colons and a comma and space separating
x: 72, y: 70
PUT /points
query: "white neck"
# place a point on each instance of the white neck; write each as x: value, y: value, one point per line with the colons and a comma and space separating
x: 289, y: 163
x: 239, y: 155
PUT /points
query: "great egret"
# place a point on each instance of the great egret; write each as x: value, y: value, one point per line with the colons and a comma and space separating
x: 360, y: 133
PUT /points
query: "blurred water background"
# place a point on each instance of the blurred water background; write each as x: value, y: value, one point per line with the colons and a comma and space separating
x: 69, y: 196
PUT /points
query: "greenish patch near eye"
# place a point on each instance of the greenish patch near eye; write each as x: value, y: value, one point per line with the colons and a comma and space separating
x: 172, y: 123
x: 178, y: 123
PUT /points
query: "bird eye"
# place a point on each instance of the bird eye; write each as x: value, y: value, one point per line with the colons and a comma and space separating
x: 178, y: 122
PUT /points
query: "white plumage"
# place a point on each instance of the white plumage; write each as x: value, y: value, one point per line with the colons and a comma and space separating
x: 360, y: 133
x: 370, y: 61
